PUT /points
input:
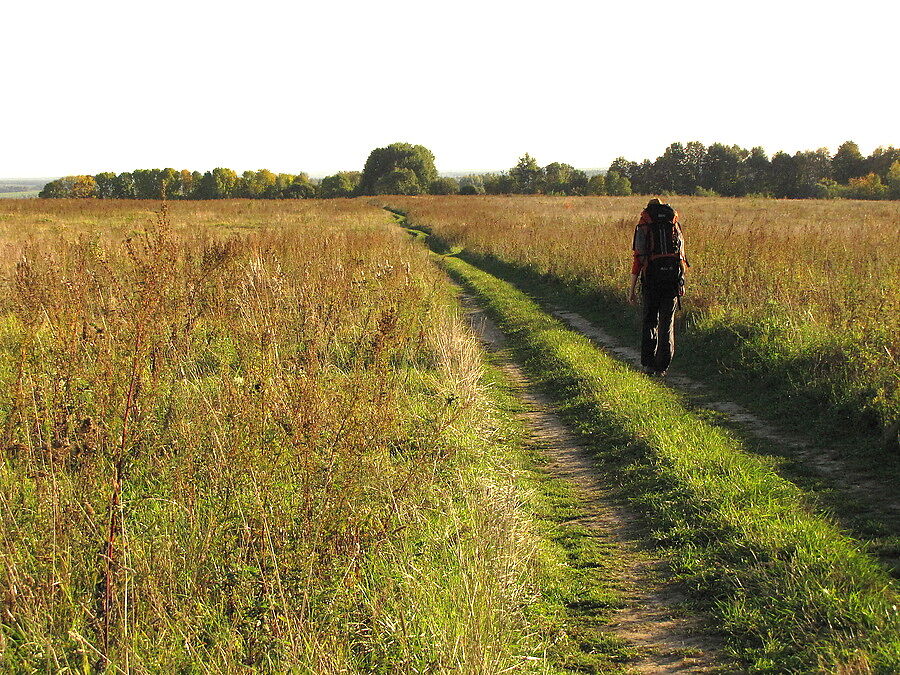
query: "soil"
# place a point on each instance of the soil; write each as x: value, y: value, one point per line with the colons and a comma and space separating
x: 815, y: 454
x: 666, y: 638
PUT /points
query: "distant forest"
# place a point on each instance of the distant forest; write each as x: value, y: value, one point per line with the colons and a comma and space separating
x: 401, y: 168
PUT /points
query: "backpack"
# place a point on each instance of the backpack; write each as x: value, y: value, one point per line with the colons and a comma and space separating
x: 663, y: 274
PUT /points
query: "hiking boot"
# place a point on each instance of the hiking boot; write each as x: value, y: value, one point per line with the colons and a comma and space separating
x: 662, y: 373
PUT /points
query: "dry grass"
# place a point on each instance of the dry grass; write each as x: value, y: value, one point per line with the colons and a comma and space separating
x: 242, y: 436
x: 810, y: 288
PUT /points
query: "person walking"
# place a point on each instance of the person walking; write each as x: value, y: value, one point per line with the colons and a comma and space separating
x: 659, y: 263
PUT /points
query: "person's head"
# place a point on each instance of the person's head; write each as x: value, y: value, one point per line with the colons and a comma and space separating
x: 654, y: 202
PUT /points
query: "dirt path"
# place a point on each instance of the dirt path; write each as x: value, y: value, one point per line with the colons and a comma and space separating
x: 825, y: 460
x: 667, y: 641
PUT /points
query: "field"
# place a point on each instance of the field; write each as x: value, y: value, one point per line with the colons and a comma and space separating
x: 245, y: 436
x: 805, y: 294
x: 19, y: 195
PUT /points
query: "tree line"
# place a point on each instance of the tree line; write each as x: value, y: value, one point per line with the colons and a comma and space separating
x: 733, y: 171
x: 402, y: 168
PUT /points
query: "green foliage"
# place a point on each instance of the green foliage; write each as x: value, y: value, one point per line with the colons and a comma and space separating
x: 867, y: 187
x: 557, y: 178
x: 398, y: 182
x: 341, y: 184
x: 57, y: 189
x: 789, y: 587
x: 893, y: 180
x: 399, y: 168
x: 300, y: 187
x: 471, y: 185
x: 258, y: 184
x: 617, y: 185
x: 828, y: 188
x: 106, y: 185
x: 848, y: 162
x: 597, y: 184
x: 444, y: 186
x: 526, y: 176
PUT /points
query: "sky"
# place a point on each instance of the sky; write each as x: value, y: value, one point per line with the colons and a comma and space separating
x: 314, y: 86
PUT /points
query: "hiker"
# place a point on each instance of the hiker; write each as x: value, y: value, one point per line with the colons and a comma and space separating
x: 659, y: 262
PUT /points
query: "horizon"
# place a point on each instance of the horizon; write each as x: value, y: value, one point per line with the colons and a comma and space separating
x: 318, y: 175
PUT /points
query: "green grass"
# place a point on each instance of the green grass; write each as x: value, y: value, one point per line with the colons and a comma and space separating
x: 19, y: 195
x: 794, y: 592
x: 860, y: 512
x: 577, y: 573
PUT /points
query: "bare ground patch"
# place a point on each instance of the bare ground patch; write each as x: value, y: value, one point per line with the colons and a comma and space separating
x: 814, y: 453
x: 665, y: 638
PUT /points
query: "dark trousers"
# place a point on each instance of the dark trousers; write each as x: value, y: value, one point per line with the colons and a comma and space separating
x: 658, y: 331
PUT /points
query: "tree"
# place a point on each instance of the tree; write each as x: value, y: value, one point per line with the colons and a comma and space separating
x: 471, y: 185
x: 168, y: 183
x: 84, y: 187
x: 881, y: 160
x: 217, y: 184
x: 526, y: 176
x: 811, y: 167
x: 225, y: 181
x: 444, y: 186
x: 722, y: 169
x: 124, y: 186
x: 597, y: 185
x: 642, y: 177
x: 498, y: 184
x: 828, y: 188
x: 398, y: 182
x: 184, y: 185
x: 341, y: 184
x: 669, y: 171
x: 106, y: 185
x: 694, y: 158
x: 283, y: 182
x: 557, y: 177
x: 147, y: 183
x: 755, y: 172
x: 300, y: 188
x: 893, y: 180
x: 258, y: 184
x: 578, y: 183
x: 784, y: 175
x: 61, y: 188
x: 847, y: 163
x: 867, y: 187
x: 385, y: 162
x: 617, y: 185
x: 623, y: 167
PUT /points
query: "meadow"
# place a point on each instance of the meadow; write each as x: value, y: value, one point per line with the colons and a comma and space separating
x: 246, y: 437
x: 800, y: 298
x: 258, y: 436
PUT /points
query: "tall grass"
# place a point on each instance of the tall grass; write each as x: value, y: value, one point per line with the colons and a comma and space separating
x: 803, y: 294
x: 245, y: 436
x: 792, y: 592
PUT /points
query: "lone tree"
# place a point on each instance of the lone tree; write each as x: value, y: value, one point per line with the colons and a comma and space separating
x: 399, y: 166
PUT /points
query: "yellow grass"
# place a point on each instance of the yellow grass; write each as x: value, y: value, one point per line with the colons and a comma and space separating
x: 815, y: 281
x: 243, y: 435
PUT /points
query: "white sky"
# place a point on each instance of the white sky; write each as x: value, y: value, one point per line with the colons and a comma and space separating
x: 315, y: 86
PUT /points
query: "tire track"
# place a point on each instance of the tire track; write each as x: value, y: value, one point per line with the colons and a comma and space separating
x: 665, y: 639
x: 824, y: 459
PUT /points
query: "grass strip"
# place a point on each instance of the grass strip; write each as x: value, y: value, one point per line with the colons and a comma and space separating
x: 576, y: 571
x: 792, y: 591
